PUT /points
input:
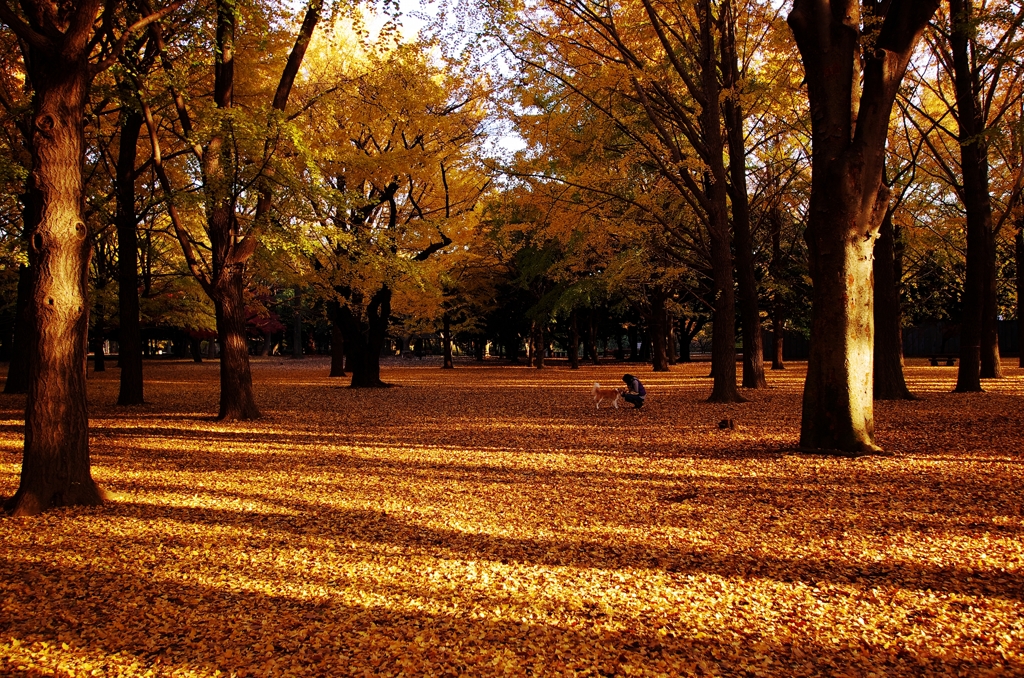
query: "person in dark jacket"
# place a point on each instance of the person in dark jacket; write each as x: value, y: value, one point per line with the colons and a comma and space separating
x: 636, y: 393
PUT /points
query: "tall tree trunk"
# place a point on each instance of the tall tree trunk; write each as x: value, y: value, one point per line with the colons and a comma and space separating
x: 974, y: 167
x: 574, y: 342
x: 659, y: 297
x: 17, y: 373
x: 446, y: 343
x: 55, y: 467
x: 237, y: 400
x: 723, y: 336
x: 337, y: 350
x: 850, y: 113
x: 129, y: 337
x: 537, y: 347
x: 889, y: 382
x: 750, y: 313
x: 479, y: 348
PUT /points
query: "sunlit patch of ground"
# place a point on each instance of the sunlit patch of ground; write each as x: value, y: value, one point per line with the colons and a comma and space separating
x: 491, y: 521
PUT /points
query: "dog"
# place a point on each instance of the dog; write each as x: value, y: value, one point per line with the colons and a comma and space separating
x: 603, y: 393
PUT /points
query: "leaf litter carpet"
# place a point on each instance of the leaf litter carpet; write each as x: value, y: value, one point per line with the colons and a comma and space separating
x: 489, y: 521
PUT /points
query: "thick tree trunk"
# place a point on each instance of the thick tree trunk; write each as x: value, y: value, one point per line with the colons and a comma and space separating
x: 129, y: 337
x: 889, y: 382
x: 55, y: 467
x: 364, y: 340
x: 574, y: 342
x: 237, y: 400
x: 446, y: 343
x: 851, y: 93
x: 658, y: 331
x: 17, y: 373
x: 337, y: 350
x: 837, y: 401
x: 479, y: 348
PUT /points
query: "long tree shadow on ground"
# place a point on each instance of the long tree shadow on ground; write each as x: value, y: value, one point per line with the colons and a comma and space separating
x: 170, y: 626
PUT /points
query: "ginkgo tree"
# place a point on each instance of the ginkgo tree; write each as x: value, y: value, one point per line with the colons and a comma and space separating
x: 236, y: 150
x: 64, y: 48
x: 389, y: 176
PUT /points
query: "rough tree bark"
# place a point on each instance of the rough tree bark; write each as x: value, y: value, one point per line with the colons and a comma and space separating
x: 850, y: 112
x: 129, y: 337
x: 889, y: 382
x: 55, y: 467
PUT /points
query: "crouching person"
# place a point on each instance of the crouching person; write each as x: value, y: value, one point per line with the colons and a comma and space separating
x: 636, y: 391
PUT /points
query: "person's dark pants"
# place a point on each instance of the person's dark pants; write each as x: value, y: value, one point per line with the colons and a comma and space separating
x: 632, y: 398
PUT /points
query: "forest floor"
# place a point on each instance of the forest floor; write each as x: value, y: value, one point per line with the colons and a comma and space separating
x: 490, y: 521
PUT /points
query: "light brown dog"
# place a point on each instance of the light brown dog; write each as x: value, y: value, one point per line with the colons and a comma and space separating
x: 603, y: 393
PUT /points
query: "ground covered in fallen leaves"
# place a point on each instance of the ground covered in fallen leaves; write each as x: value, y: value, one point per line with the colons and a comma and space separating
x: 489, y: 521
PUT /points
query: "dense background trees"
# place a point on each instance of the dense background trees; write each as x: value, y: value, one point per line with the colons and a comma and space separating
x: 555, y: 176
